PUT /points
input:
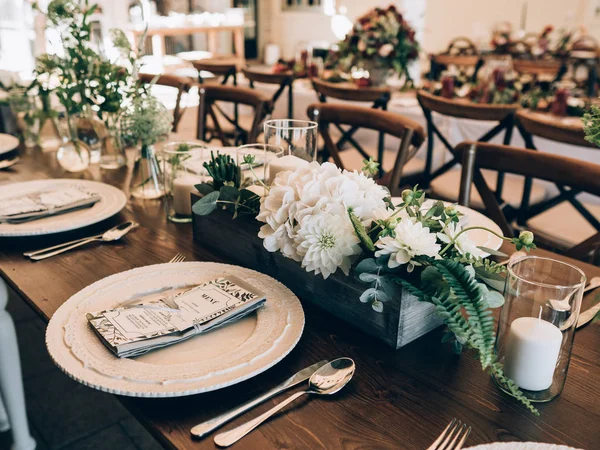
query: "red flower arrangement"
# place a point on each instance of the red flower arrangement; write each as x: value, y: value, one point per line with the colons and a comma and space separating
x: 381, y: 38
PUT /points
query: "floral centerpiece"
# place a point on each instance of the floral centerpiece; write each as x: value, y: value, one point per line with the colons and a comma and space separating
x: 331, y: 220
x: 380, y: 41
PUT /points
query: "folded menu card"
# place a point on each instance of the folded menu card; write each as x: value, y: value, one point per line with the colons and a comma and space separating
x: 136, y: 329
x: 47, y: 202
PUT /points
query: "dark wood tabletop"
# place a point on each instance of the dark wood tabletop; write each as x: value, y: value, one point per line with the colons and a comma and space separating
x: 397, y: 399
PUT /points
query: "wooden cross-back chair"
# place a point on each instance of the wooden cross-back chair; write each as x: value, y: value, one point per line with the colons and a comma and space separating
x: 568, y: 130
x: 182, y: 84
x: 284, y: 80
x: 409, y: 132
x: 461, y: 53
x: 583, y: 57
x: 209, y: 94
x: 577, y: 174
x: 379, y: 98
x: 463, y: 109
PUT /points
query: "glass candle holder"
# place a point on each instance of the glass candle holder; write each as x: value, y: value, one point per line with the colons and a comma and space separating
x: 296, y: 137
x: 182, y: 170
x: 264, y: 155
x: 537, y: 324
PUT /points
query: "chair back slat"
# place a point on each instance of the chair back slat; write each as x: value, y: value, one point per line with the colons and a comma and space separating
x: 571, y: 172
x: 465, y: 109
x: 349, y: 91
x: 456, y: 60
x: 577, y: 175
x: 409, y: 132
x: 555, y: 129
x: 261, y: 76
x: 537, y: 67
x: 462, y: 46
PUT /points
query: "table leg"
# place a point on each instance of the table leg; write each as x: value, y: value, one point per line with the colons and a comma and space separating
x: 238, y: 39
x: 11, y: 383
x: 212, y: 42
x: 158, y: 45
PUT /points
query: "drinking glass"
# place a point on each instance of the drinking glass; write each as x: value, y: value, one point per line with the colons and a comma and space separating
x: 296, y: 137
x: 264, y: 155
x: 537, y: 324
x: 182, y: 170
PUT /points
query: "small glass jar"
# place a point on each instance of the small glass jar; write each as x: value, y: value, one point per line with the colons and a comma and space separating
x: 183, y: 169
x: 264, y: 155
x: 537, y: 324
x: 296, y: 137
x: 147, y: 177
x: 73, y: 154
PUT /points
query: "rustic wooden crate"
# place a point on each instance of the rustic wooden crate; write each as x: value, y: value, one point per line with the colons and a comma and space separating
x: 403, y: 320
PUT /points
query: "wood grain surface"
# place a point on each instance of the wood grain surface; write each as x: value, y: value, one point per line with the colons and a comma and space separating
x: 397, y: 399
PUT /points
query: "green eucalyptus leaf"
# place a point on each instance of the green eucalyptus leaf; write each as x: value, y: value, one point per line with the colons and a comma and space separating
x: 204, y: 188
x: 206, y: 204
x: 494, y: 299
x: 368, y: 265
x: 229, y: 194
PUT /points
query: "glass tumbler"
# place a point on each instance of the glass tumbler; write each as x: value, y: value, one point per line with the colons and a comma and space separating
x: 182, y: 170
x: 296, y: 137
x: 537, y: 324
x: 264, y: 155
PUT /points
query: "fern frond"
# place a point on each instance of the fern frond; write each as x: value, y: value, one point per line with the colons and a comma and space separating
x: 512, y: 388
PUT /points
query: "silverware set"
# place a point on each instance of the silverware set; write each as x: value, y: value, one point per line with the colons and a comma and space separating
x: 114, y: 234
x: 324, y: 378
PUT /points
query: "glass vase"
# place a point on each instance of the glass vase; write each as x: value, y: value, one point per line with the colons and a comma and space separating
x: 147, y: 177
x: 27, y: 111
x: 537, y: 324
x: 73, y: 155
x: 259, y: 173
x: 92, y: 132
x: 296, y: 137
x: 183, y: 170
x: 112, y: 154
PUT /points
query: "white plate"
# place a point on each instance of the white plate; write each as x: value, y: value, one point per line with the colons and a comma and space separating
x: 204, y: 363
x: 112, y: 200
x: 8, y: 143
x: 471, y: 218
x: 520, y: 446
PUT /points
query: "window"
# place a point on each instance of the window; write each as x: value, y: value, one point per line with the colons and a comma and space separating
x: 301, y: 5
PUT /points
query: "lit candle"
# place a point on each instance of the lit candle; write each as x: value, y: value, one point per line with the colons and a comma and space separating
x: 288, y: 162
x: 183, y: 186
x: 532, y: 350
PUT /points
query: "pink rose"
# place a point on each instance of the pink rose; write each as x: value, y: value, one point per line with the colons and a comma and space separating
x: 385, y: 50
x: 362, y: 46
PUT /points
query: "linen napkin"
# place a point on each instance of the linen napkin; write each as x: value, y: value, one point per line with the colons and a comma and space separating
x: 52, y: 201
x: 137, y: 329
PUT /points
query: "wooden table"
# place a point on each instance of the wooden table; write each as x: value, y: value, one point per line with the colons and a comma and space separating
x: 158, y: 34
x: 397, y: 399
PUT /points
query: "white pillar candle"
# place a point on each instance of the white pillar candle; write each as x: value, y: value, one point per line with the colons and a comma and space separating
x: 288, y: 162
x: 532, y: 351
x: 183, y: 186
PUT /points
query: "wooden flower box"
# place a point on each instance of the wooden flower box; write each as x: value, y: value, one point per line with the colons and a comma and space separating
x: 403, y: 320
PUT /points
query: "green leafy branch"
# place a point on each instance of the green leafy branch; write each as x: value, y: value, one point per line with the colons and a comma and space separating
x: 463, y: 304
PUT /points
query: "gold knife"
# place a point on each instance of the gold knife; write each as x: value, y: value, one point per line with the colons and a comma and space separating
x: 205, y: 428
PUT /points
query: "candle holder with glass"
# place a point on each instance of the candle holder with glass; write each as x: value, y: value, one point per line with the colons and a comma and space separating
x: 183, y: 169
x: 296, y: 137
x: 257, y: 174
x: 537, y: 325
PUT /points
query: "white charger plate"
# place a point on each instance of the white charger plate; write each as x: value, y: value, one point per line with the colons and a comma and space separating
x: 471, y: 218
x: 8, y: 143
x: 203, y: 363
x: 520, y: 446
x: 112, y: 200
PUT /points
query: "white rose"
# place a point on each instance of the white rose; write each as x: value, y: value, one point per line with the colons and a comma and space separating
x: 385, y: 50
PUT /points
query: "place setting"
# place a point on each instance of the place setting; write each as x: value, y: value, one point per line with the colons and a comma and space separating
x: 385, y: 238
